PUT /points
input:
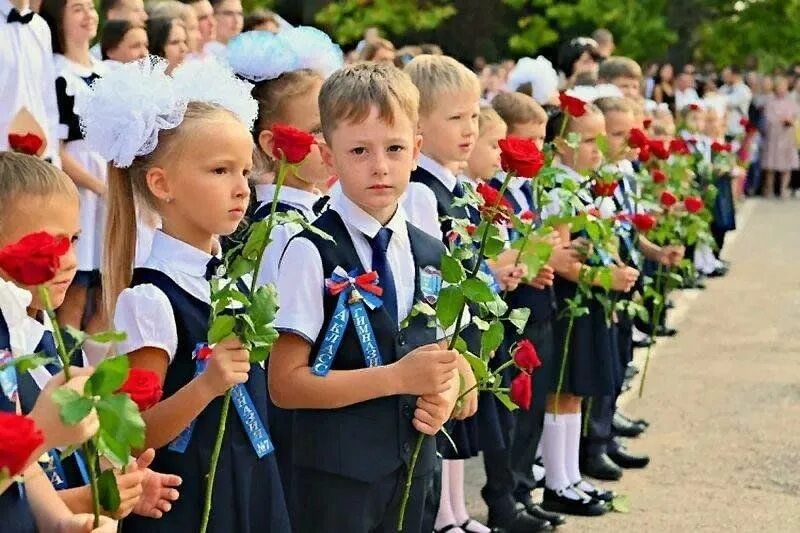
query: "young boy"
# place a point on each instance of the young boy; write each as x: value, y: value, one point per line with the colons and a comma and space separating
x: 623, y: 72
x: 449, y: 111
x: 356, y: 425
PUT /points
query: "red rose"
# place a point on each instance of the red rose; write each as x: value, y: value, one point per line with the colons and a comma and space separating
x: 743, y: 122
x: 658, y: 176
x: 528, y: 216
x: 668, y: 199
x: 19, y: 438
x: 658, y: 149
x: 718, y: 147
x: 637, y: 138
x: 750, y: 128
x: 522, y: 390
x: 520, y: 157
x: 35, y: 258
x: 525, y: 356
x: 291, y: 142
x: 679, y: 146
x: 693, y: 204
x: 495, y: 207
x: 471, y: 229
x: 644, y: 154
x: 29, y: 143
x: 647, y: 122
x: 643, y: 222
x: 604, y: 188
x: 694, y: 107
x: 572, y: 106
x: 144, y: 388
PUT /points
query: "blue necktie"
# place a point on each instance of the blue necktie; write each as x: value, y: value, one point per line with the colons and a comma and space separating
x: 458, y: 190
x: 48, y: 346
x: 380, y: 264
x: 527, y: 191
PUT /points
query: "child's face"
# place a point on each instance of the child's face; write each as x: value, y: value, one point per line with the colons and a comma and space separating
x: 618, y: 126
x: 373, y: 160
x: 630, y: 87
x: 80, y: 21
x: 696, y: 121
x: 587, y: 156
x: 449, y: 131
x: 56, y: 214
x: 203, y: 189
x: 302, y: 112
x: 533, y: 131
x: 132, y: 47
x: 485, y: 159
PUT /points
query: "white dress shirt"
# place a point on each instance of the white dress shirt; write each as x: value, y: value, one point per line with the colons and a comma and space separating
x: 419, y: 201
x: 144, y: 312
x: 685, y: 97
x: 27, y: 77
x: 301, y: 276
x: 301, y: 200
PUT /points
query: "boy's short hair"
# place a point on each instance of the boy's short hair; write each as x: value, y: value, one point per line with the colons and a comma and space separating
x: 24, y: 174
x: 518, y: 108
x: 351, y: 93
x: 437, y: 74
x: 488, y: 116
x: 614, y: 103
x: 372, y: 48
x: 619, y: 67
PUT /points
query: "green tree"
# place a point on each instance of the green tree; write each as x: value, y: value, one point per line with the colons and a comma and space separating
x: 346, y: 20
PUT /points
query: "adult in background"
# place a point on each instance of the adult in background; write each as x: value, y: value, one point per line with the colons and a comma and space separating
x: 261, y: 20
x: 130, y: 10
x: 167, y: 38
x: 578, y: 56
x: 739, y: 97
x: 378, y: 50
x: 123, y: 42
x: 605, y: 42
x: 780, y: 144
x: 664, y: 89
x: 206, y: 25
x: 230, y: 19
x: 172, y: 9
x: 685, y: 92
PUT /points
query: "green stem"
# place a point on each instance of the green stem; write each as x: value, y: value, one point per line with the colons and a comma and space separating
x: 214, y: 460
x: 586, y: 416
x: 92, y: 462
x: 61, y: 348
x: 654, y: 324
x: 564, y: 355
x: 477, y: 385
x: 409, y: 481
x: 282, y: 171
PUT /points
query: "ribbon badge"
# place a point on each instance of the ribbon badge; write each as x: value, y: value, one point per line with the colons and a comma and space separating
x: 245, y: 408
x: 354, y: 290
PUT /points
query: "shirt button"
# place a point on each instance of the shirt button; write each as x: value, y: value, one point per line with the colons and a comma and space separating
x: 406, y: 447
x: 401, y: 339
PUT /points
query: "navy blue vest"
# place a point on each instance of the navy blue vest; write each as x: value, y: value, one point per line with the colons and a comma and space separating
x: 444, y: 199
x: 242, y: 501
x: 263, y: 210
x: 15, y: 511
x: 369, y: 440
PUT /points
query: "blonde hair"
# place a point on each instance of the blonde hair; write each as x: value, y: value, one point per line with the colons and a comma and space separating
x: 518, y: 108
x: 351, y: 93
x: 22, y: 174
x: 619, y: 67
x: 372, y: 48
x: 126, y: 188
x: 435, y: 75
x: 487, y: 117
x: 614, y: 103
x: 170, y: 9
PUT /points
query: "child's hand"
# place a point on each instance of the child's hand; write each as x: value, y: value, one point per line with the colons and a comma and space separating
x: 82, y: 523
x: 228, y: 366
x: 510, y: 276
x: 158, y: 490
x: 544, y: 278
x: 469, y: 404
x: 426, y: 370
x: 47, y: 414
x: 129, y: 485
x: 672, y: 255
x: 563, y: 257
x: 583, y: 247
x: 433, y: 410
x: 623, y: 278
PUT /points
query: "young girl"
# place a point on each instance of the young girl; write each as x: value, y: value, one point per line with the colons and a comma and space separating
x: 167, y: 38
x: 122, y: 42
x: 591, y: 353
x: 73, y: 24
x: 286, y: 94
x: 190, y: 167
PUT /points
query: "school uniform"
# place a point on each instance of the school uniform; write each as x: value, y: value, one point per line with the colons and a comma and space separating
x: 15, y: 510
x: 27, y: 75
x: 168, y: 307
x: 350, y: 463
x: 591, y: 355
x: 74, y: 81
x: 539, y: 330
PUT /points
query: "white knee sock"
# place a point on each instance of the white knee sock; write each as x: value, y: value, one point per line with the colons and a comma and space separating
x: 553, y: 447
x: 445, y: 515
x: 458, y: 501
x: 574, y: 425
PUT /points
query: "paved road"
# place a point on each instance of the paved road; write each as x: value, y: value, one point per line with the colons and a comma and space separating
x: 723, y: 398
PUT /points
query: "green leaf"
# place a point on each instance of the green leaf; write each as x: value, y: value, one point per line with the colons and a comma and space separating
x: 479, y: 367
x: 452, y: 271
x: 497, y: 307
x: 108, y: 491
x: 494, y: 246
x: 519, y: 318
x: 506, y: 400
x: 480, y: 323
x: 109, y: 336
x: 121, y: 428
x: 240, y: 266
x: 477, y: 291
x: 620, y: 504
x: 27, y: 362
x: 256, y: 241
x: 264, y: 304
x: 605, y: 278
x: 108, y: 377
x: 74, y: 407
x: 449, y: 305
x: 77, y: 335
x: 492, y: 338
x: 221, y: 328
x: 424, y: 308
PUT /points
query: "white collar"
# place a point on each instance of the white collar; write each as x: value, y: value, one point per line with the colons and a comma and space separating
x: 517, y: 182
x: 14, y: 302
x: 571, y: 173
x: 289, y: 195
x: 625, y: 166
x: 441, y: 173
x: 463, y: 178
x: 6, y: 7
x: 363, y: 222
x: 179, y: 255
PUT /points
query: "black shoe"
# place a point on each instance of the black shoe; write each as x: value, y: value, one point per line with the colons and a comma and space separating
x: 601, y: 467
x: 521, y: 522
x: 555, y: 502
x: 718, y: 272
x: 644, y: 342
x: 664, y: 331
x: 625, y: 459
x: 537, y: 512
x: 637, y: 421
x: 626, y: 428
x: 669, y: 305
x: 597, y: 493
x: 631, y: 370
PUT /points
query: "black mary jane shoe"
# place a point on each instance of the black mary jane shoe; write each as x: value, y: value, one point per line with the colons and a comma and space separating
x: 537, y: 512
x: 637, y: 421
x: 596, y: 493
x: 556, y: 502
x: 446, y: 528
